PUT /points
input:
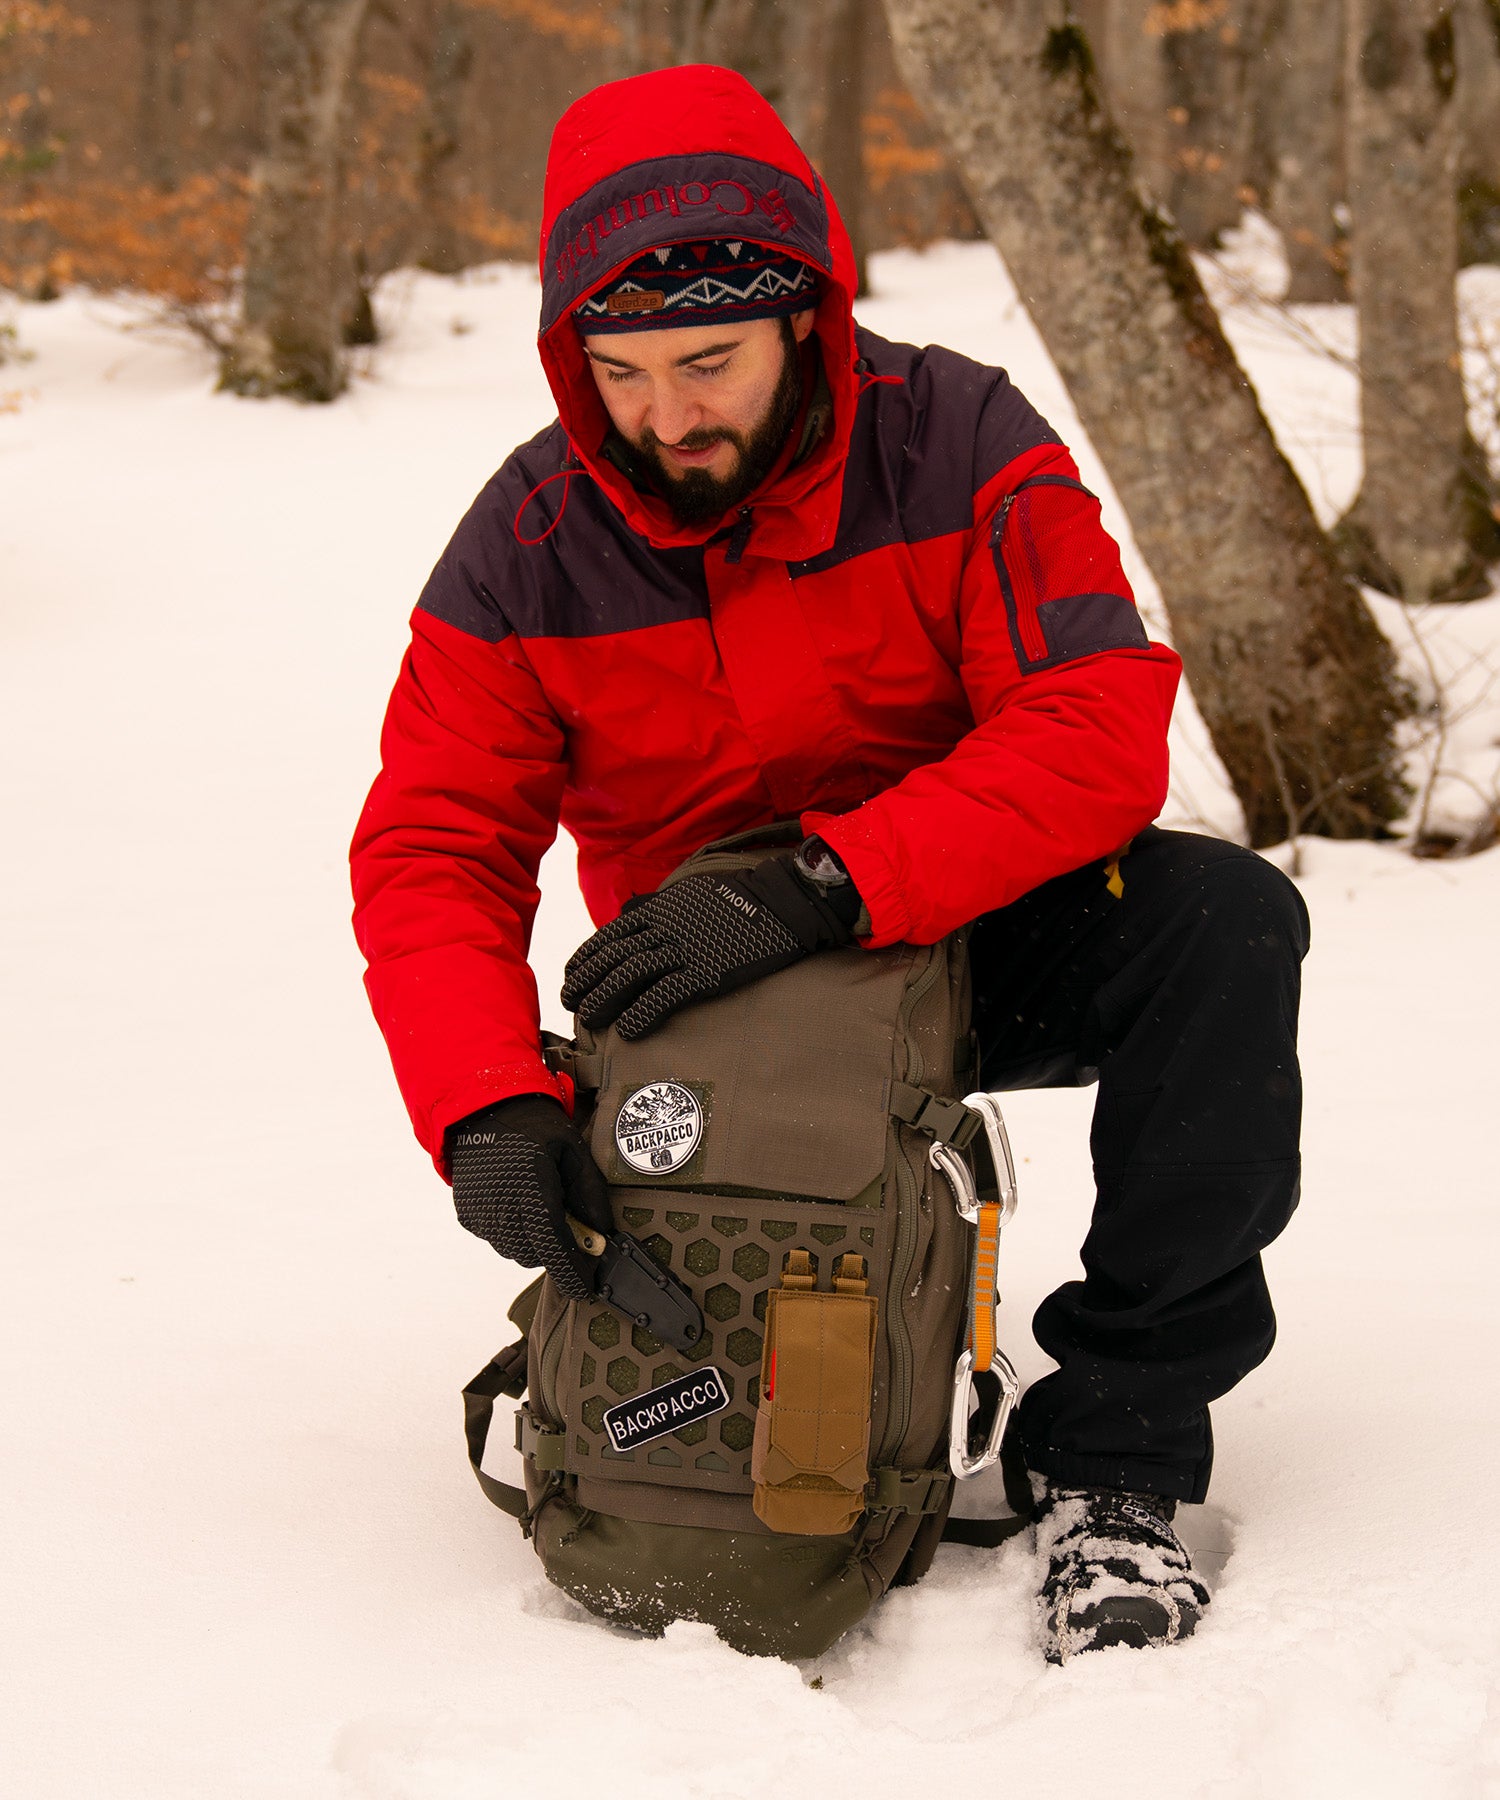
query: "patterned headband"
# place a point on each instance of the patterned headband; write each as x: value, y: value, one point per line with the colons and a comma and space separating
x: 718, y: 281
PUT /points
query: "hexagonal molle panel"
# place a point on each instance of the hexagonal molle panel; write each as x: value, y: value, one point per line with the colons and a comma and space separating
x: 759, y: 1308
x: 683, y: 1222
x: 647, y: 1342
x: 623, y: 1376
x: 778, y: 1230
x: 635, y: 1216
x: 727, y: 1227
x: 867, y: 1234
x: 586, y: 1372
x: 661, y: 1248
x: 711, y: 1459
x: 721, y: 1301
x: 743, y: 1346
x: 737, y: 1432
x: 580, y: 1445
x: 604, y: 1330
x: 664, y: 1372
x: 701, y: 1257
x: 664, y: 1458
x: 751, y: 1261
x: 828, y: 1234
x: 593, y: 1413
x: 693, y: 1434
x: 703, y: 1347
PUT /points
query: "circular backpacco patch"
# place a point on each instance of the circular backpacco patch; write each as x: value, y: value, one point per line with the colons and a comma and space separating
x: 659, y: 1127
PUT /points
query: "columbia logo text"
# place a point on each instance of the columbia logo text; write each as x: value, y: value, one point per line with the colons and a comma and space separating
x: 726, y: 196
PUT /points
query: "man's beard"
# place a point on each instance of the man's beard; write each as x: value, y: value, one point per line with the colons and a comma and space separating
x: 694, y: 495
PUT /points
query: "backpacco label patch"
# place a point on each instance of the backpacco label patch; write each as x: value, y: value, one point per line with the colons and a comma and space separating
x: 659, y: 1127
x: 682, y: 1401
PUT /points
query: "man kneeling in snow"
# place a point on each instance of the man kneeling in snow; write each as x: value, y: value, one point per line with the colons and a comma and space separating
x: 768, y: 565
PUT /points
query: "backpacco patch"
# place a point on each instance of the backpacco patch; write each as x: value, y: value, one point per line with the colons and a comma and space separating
x: 682, y: 1401
x: 658, y: 1127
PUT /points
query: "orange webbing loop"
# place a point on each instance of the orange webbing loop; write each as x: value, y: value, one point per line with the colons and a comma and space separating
x: 982, y: 1294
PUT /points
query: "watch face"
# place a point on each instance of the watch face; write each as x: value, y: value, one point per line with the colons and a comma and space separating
x: 821, y: 867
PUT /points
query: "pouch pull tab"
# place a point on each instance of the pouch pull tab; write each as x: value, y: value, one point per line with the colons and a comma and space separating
x: 849, y: 1275
x: 798, y: 1272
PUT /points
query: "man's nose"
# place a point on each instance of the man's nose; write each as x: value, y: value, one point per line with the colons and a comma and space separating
x: 673, y: 415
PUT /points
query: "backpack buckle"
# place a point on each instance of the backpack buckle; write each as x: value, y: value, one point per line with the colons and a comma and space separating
x: 920, y: 1491
x: 544, y: 1445
x: 948, y: 1121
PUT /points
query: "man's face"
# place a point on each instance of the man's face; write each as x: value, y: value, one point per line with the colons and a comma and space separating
x: 707, y: 406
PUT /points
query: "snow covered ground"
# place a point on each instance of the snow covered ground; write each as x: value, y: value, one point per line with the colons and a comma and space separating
x: 244, y: 1558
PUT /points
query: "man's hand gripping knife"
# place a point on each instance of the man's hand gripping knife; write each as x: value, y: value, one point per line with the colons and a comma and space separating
x: 709, y: 934
x: 519, y: 1170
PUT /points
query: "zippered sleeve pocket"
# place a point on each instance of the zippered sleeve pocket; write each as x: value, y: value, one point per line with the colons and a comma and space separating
x: 1065, y: 592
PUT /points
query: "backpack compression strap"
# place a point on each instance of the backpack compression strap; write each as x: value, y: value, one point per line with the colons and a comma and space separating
x: 503, y: 1374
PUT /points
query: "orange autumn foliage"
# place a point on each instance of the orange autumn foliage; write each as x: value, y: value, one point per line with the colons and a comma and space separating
x: 184, y: 245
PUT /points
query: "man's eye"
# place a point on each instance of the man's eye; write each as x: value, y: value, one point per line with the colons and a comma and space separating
x: 620, y: 374
x: 711, y: 368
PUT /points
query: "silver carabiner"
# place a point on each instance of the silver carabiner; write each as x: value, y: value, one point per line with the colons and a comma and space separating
x: 956, y: 1172
x: 998, y: 1139
x: 961, y: 1461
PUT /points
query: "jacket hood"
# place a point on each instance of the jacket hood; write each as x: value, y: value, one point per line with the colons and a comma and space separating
x: 677, y: 155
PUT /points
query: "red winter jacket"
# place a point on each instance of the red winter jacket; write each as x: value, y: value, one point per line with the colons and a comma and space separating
x: 918, y: 638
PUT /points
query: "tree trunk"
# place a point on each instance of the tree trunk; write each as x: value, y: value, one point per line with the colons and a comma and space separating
x: 447, y: 75
x: 166, y: 35
x: 825, y: 55
x: 1477, y: 28
x: 1295, y: 683
x: 753, y: 37
x: 1305, y: 99
x: 1422, y: 526
x: 296, y: 270
x: 840, y: 151
x: 30, y: 104
x: 1178, y: 85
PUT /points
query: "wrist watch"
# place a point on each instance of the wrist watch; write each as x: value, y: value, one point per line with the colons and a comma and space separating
x: 816, y: 863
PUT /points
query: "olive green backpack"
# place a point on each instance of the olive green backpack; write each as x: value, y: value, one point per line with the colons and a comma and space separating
x: 796, y: 1157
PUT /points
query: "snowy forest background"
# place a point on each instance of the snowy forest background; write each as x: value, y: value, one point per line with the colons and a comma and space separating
x: 267, y: 312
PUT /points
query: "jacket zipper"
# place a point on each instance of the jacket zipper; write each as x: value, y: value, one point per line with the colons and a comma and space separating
x: 1028, y: 625
x: 740, y: 536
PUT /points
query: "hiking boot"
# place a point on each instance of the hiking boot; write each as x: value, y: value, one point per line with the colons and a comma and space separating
x: 1117, y: 1573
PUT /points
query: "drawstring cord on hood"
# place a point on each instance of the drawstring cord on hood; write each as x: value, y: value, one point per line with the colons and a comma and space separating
x: 563, y: 474
x: 868, y: 379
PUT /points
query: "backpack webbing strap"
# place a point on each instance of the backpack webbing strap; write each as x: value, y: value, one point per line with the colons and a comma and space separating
x: 921, y: 1491
x: 985, y: 1534
x: 927, y: 1492
x: 503, y: 1374
x: 949, y: 1121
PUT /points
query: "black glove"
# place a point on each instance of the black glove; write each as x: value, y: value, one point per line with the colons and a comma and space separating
x: 519, y: 1168
x: 700, y: 937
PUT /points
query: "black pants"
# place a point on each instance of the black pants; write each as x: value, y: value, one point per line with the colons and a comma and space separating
x: 1181, y: 994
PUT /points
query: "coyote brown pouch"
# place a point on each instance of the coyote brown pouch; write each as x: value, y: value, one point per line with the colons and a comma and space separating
x: 810, y: 1461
